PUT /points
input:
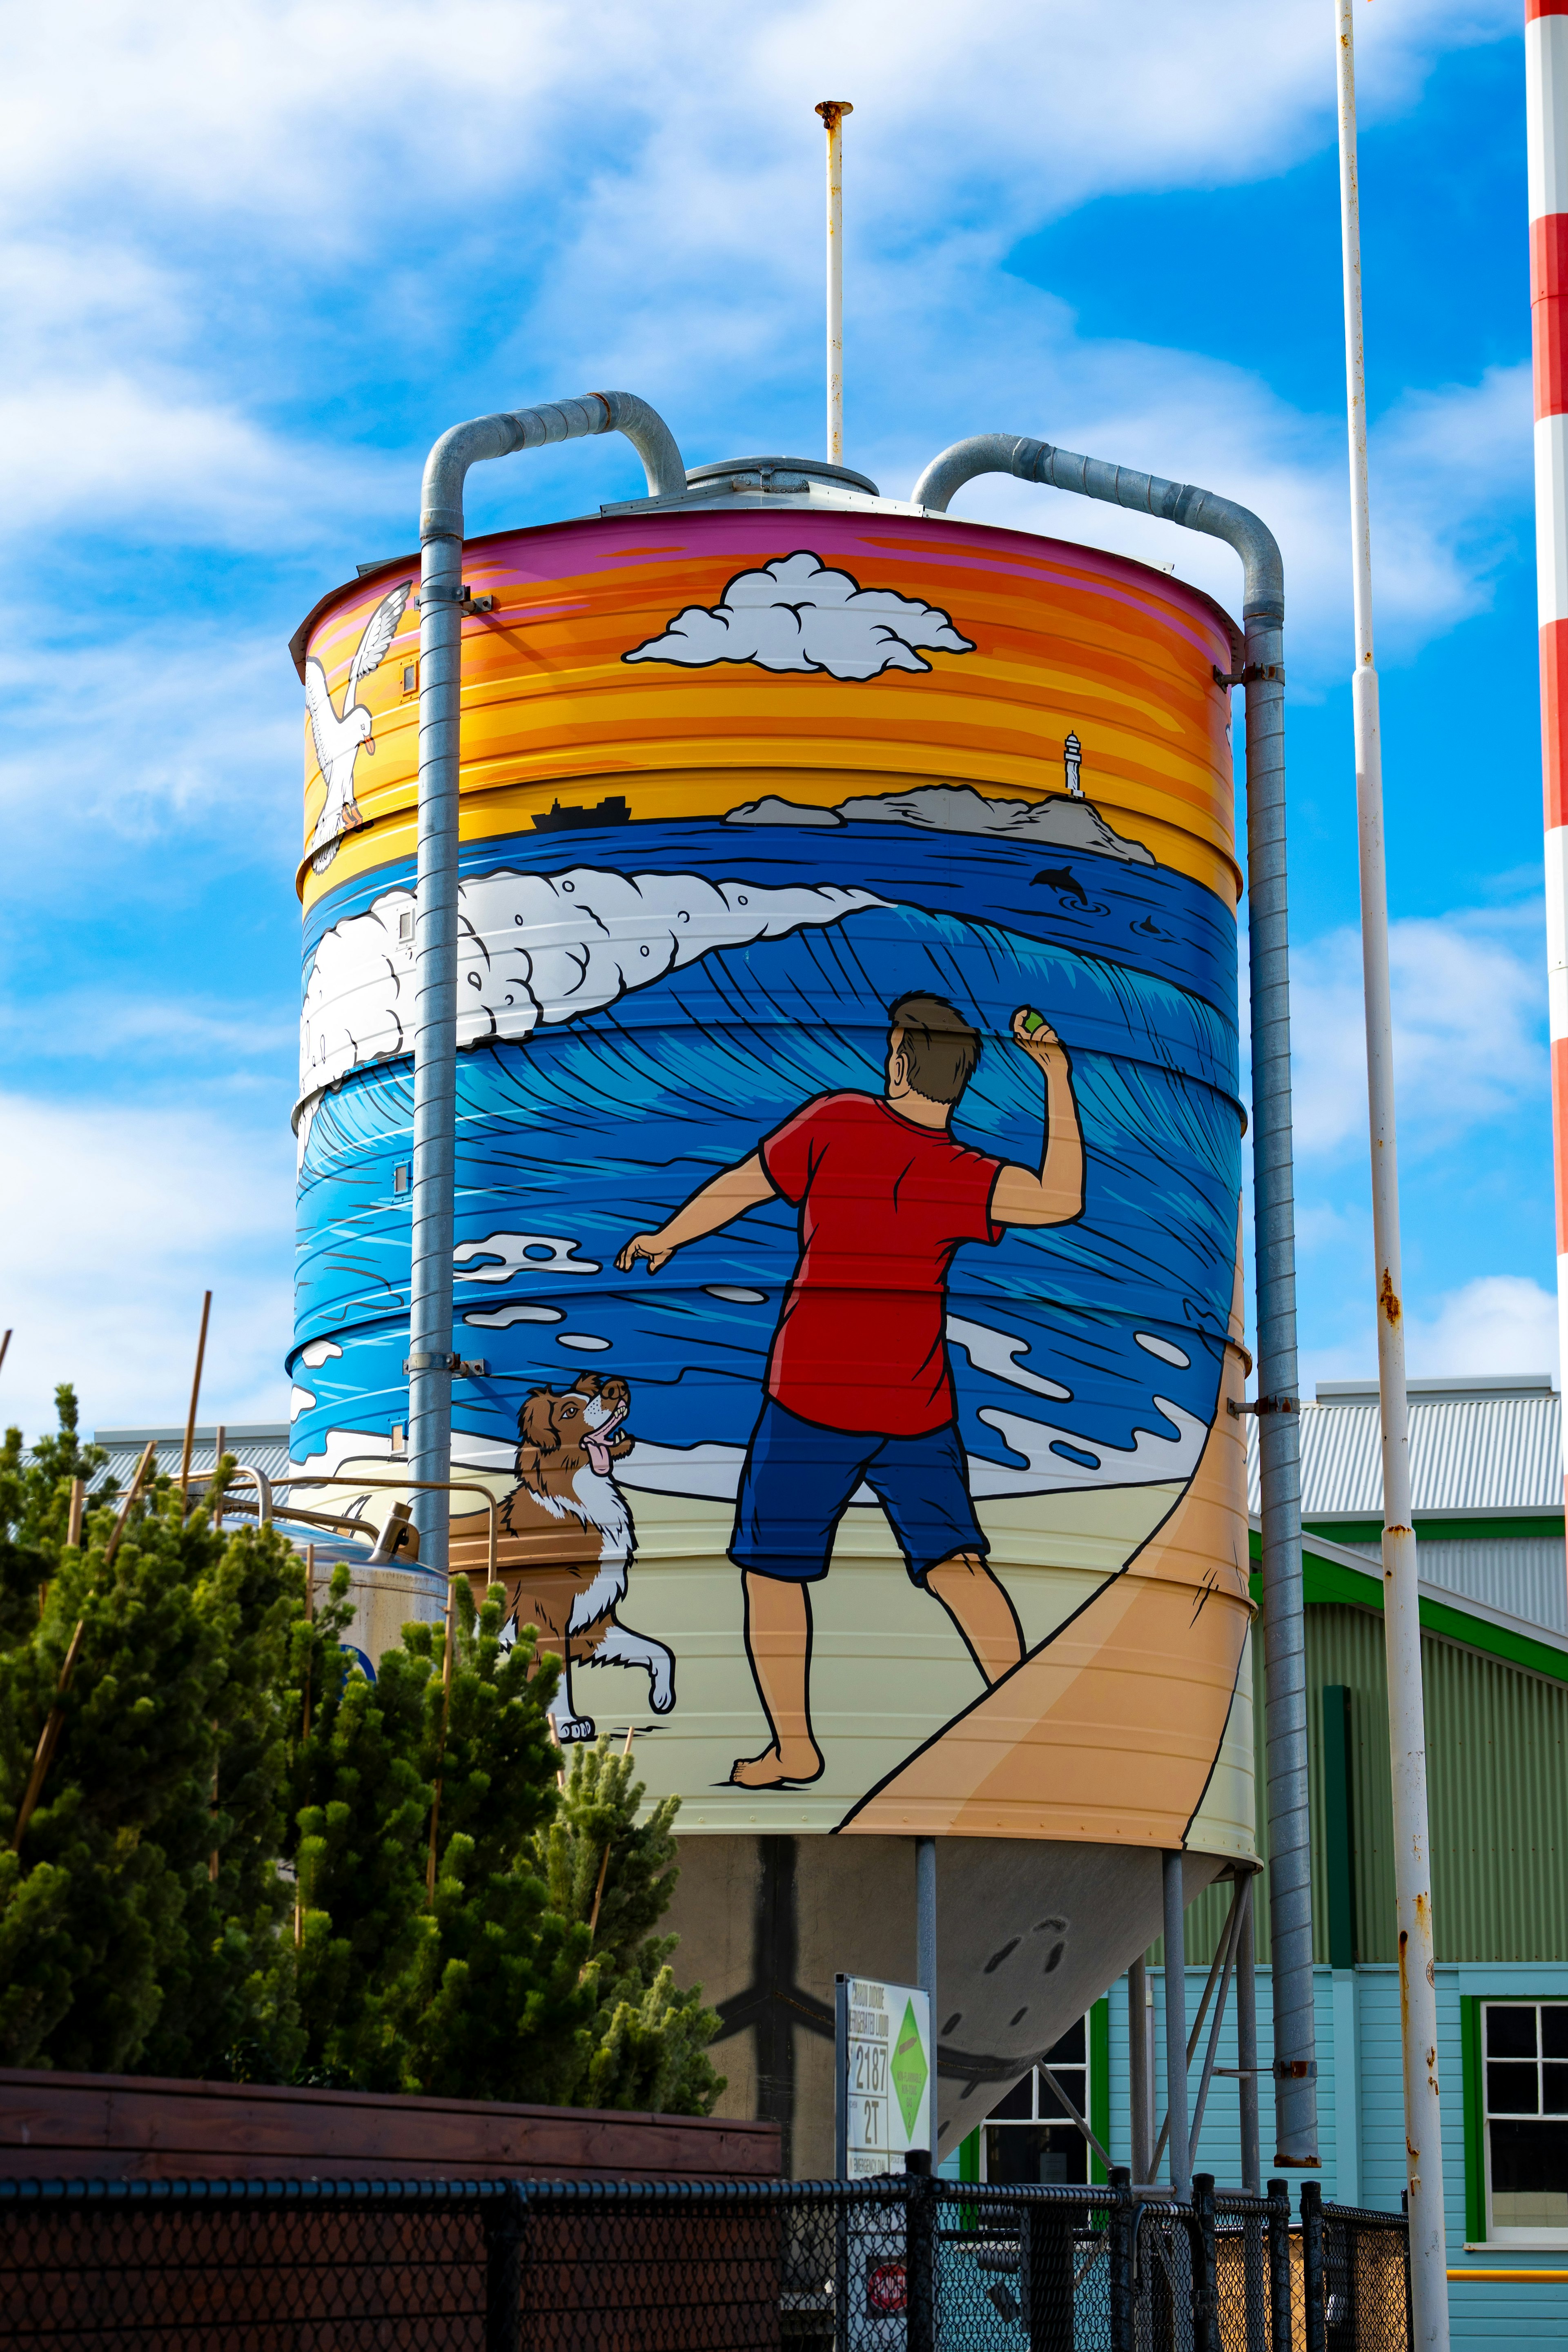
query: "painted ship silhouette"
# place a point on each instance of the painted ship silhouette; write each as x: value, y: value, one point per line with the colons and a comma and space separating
x: 557, y: 819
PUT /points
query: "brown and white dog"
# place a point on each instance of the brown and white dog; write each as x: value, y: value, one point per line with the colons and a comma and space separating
x: 565, y: 1540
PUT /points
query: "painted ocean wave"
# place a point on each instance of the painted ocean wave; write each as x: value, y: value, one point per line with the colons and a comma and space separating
x: 601, y: 1127
x: 1149, y: 917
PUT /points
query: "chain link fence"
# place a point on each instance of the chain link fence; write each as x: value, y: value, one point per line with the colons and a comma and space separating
x: 1355, y: 2288
x: 903, y: 2265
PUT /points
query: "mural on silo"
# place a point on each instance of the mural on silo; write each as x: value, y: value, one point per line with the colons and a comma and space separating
x: 847, y: 1160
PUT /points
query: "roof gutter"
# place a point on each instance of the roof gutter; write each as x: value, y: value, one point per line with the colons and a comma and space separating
x: 1263, y: 676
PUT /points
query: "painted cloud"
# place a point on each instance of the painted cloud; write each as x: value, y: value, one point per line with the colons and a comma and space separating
x: 799, y: 614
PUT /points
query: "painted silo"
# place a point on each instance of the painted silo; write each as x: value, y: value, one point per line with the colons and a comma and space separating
x: 847, y: 1175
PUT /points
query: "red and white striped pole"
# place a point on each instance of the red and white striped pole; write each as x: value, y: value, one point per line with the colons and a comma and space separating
x: 1546, y: 131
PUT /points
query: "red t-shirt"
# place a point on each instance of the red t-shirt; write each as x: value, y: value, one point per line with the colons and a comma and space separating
x: 884, y: 1203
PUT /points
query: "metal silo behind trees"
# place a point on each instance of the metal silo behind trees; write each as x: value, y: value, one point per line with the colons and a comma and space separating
x: 819, y: 1173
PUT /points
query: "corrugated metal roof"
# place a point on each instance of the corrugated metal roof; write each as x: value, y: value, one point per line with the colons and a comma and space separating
x: 1523, y: 1576
x: 1494, y: 1447
x: 263, y: 1445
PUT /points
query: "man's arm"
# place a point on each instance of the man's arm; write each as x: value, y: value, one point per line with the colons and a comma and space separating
x: 730, y: 1194
x: 1054, y: 1196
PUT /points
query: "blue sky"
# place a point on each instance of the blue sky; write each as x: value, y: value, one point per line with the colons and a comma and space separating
x: 253, y: 259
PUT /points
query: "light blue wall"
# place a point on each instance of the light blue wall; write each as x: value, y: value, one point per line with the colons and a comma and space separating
x: 1360, y: 2120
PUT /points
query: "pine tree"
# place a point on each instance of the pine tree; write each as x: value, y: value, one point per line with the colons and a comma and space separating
x: 604, y: 1867
x: 479, y: 1993
x: 34, y: 1511
x: 170, y: 1750
x: 205, y: 1889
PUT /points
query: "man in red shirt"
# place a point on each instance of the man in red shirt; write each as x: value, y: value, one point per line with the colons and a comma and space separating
x: 859, y: 1387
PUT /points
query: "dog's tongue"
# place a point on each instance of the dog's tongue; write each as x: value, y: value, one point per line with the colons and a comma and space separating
x: 597, y: 1442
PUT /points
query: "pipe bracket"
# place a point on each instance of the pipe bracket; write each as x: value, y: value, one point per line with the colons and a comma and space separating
x: 463, y: 597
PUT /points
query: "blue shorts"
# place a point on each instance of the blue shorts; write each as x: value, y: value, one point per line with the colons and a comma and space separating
x: 798, y: 1479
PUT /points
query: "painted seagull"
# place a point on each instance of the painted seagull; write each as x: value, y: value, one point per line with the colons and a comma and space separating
x: 339, y: 742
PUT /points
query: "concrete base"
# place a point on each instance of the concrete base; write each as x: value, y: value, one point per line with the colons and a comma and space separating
x: 1029, y: 1934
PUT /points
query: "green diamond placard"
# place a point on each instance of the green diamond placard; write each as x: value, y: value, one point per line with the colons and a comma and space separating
x: 909, y: 2069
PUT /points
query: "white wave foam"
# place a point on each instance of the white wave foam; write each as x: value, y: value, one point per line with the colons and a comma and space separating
x: 521, y: 1253
x: 587, y: 1343
x: 533, y: 947
x: 337, y: 1445
x: 1149, y: 1461
x: 498, y: 1318
x: 300, y: 1399
x: 320, y: 1352
x: 708, y: 1472
x: 737, y: 1297
x: 711, y: 1472
x: 1167, y: 1351
x: 993, y: 1351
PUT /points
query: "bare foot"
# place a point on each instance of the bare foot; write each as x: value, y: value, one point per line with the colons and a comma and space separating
x: 794, y: 1759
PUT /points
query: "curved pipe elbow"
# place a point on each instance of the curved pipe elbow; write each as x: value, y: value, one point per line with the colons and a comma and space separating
x: 652, y: 439
x: 446, y: 467
x: 1263, y: 591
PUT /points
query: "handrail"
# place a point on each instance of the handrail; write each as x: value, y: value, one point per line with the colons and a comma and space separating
x: 416, y: 1486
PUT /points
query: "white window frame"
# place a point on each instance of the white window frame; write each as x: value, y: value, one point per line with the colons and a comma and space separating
x: 1067, y: 2069
x: 1508, y: 2233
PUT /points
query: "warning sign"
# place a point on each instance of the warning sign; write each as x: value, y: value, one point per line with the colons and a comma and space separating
x: 886, y: 2075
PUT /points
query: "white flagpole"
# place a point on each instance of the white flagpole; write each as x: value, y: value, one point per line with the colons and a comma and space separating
x: 1400, y: 1621
x: 833, y: 111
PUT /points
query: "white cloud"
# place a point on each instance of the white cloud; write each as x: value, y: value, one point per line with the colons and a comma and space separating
x: 139, y: 385
x: 182, y: 720
x: 799, y: 613
x: 112, y: 1223
x: 115, y: 1027
x: 318, y: 113
x: 1450, y: 488
x: 1469, y: 1004
x: 1497, y: 1323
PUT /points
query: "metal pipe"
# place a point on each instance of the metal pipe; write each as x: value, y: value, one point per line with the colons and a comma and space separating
x: 1247, y: 2048
x: 1401, y: 1608
x: 404, y: 1485
x: 1546, y: 137
x: 1139, y: 2081
x: 1228, y: 1945
x: 925, y: 1943
x: 833, y: 111
x: 1221, y: 1960
x: 431, y: 1360
x: 263, y: 1491
x: 1284, y: 1639
x: 1086, y: 2130
x: 1176, y: 2024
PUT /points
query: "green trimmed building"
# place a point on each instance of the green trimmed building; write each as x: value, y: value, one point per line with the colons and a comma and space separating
x: 1487, y: 1459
